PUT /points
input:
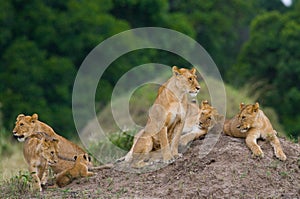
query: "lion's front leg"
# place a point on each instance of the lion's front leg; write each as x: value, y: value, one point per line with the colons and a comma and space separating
x: 186, y: 138
x: 276, y: 145
x: 164, y: 145
x: 176, y: 137
x: 252, y: 144
x: 44, y: 172
x: 35, y: 178
x: 142, y: 148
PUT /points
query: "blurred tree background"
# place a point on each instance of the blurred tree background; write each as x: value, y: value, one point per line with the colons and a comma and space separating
x: 43, y: 43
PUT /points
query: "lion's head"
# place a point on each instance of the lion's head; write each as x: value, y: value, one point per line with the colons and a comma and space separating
x: 187, y: 80
x: 207, y: 113
x: 83, y: 158
x: 25, y: 126
x: 247, y: 116
x: 49, y: 149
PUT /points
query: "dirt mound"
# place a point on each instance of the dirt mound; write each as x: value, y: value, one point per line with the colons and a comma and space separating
x: 228, y: 171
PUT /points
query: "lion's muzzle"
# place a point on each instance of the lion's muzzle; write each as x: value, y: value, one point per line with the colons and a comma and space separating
x: 20, y: 138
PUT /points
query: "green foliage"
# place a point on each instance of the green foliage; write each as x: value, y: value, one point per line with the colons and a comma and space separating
x: 43, y: 43
x: 271, y: 55
x: 122, y: 140
x: 42, y: 46
x: 217, y: 27
x: 27, y: 88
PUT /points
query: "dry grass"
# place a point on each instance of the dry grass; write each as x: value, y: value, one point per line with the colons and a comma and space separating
x: 11, y: 165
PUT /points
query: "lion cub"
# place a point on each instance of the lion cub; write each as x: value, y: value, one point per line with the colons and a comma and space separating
x: 80, y: 169
x: 199, y: 121
x: 251, y: 123
x: 39, y: 153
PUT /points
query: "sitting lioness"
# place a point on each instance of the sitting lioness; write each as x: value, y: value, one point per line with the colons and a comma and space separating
x: 166, y: 118
x: 199, y: 121
x: 39, y: 152
x: 251, y: 123
x: 78, y: 170
x: 29, y: 125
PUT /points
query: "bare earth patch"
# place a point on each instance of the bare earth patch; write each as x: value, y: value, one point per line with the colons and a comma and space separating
x: 228, y: 171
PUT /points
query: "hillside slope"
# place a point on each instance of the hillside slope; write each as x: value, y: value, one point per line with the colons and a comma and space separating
x: 228, y: 171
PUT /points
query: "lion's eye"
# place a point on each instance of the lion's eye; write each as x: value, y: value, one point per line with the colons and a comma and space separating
x: 21, y: 124
x: 243, y: 117
x: 52, y: 152
x: 209, y: 118
x: 190, y: 78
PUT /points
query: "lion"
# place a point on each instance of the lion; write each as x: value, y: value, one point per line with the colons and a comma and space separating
x: 251, y: 123
x: 78, y: 170
x: 199, y: 121
x: 27, y: 126
x: 39, y: 153
x: 166, y: 118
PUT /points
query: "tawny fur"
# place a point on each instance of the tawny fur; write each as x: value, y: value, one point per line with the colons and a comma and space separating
x: 168, y: 112
x: 39, y: 153
x: 199, y: 121
x: 30, y: 125
x: 251, y: 123
x: 78, y: 170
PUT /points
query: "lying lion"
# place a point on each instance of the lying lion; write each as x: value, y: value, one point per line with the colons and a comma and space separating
x: 166, y: 118
x: 78, y: 170
x: 199, y: 121
x: 251, y: 123
x: 27, y: 126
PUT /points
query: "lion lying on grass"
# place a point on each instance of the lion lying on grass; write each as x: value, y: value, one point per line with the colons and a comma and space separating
x: 251, y: 123
x: 166, y: 118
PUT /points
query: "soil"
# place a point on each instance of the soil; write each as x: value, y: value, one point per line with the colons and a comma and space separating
x: 228, y: 171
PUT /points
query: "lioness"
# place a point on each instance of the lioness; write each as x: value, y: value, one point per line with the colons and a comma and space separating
x: 168, y: 112
x: 78, y: 170
x: 29, y: 125
x: 39, y: 153
x: 251, y: 123
x: 198, y: 121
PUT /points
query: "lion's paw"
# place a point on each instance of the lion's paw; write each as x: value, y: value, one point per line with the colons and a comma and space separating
x: 169, y: 161
x: 178, y: 155
x: 258, y: 153
x: 281, y: 156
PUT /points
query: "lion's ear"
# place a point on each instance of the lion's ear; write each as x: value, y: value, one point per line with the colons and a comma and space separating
x: 34, y: 117
x: 20, y: 116
x: 242, y: 105
x: 256, y: 107
x: 55, y: 140
x: 204, y: 103
x: 193, y: 71
x: 175, y: 71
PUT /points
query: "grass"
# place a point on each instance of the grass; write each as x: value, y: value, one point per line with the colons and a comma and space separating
x: 12, y: 161
x: 17, y: 186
